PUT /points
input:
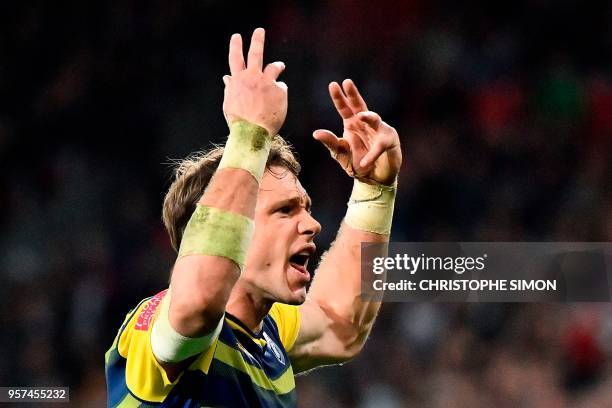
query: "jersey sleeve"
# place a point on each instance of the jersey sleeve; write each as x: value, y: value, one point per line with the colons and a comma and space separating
x: 287, y: 319
x: 144, y: 375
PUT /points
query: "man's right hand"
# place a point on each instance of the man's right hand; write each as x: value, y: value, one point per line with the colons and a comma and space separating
x: 253, y: 94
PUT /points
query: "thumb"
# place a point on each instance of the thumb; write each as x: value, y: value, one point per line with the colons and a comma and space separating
x: 226, y: 79
x: 329, y: 140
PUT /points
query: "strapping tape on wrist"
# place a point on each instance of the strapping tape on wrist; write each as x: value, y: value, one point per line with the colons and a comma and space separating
x: 247, y: 148
x: 370, y: 207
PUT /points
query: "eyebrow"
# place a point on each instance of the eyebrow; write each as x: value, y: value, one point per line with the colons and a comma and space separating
x: 297, y: 200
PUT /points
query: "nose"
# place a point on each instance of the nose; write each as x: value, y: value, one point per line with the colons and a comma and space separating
x: 308, y: 225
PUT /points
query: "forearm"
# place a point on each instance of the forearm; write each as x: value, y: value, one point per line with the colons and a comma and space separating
x: 201, y: 284
x: 207, y: 268
x: 337, y: 284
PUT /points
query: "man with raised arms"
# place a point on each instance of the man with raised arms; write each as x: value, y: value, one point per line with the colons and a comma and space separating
x: 236, y: 323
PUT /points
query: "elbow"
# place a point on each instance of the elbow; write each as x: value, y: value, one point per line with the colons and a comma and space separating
x: 351, y: 346
x: 343, y: 355
x: 352, y: 349
x: 349, y: 334
x: 201, y: 286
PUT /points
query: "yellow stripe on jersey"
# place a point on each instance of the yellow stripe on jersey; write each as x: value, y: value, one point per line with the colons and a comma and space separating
x: 146, y: 380
x: 236, y: 326
x: 116, y: 340
x: 287, y: 318
x: 129, y: 402
x: 144, y: 376
x: 232, y: 357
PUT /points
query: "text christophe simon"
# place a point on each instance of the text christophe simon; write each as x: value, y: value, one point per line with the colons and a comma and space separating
x: 459, y: 265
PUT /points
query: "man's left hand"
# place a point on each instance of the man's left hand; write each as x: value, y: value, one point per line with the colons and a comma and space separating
x: 369, y: 148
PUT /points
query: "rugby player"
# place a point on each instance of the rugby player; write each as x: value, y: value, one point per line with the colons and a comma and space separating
x: 237, y: 323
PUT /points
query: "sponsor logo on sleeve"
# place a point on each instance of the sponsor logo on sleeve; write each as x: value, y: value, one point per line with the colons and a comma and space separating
x: 146, y: 314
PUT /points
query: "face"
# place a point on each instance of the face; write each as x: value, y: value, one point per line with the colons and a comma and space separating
x: 277, y: 262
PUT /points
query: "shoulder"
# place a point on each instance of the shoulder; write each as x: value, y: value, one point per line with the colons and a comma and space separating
x: 287, y: 321
x: 139, y: 321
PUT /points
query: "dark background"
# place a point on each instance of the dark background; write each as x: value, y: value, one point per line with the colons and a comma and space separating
x: 505, y: 115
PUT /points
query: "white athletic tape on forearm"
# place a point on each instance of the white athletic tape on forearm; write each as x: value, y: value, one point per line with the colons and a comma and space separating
x: 247, y: 148
x: 370, y: 207
x: 169, y: 346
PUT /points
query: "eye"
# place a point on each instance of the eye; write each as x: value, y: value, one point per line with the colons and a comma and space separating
x: 286, y: 209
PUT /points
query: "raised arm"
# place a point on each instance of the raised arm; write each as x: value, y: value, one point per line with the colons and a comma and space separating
x: 335, y: 321
x: 217, y: 237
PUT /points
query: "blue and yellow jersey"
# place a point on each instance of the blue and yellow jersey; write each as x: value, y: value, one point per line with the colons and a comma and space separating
x: 240, y: 369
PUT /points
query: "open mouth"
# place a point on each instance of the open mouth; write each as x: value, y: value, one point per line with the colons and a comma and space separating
x: 299, y: 261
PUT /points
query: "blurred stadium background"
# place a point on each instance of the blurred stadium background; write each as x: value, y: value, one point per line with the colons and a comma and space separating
x: 504, y: 110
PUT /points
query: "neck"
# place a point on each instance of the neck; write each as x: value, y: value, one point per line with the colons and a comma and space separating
x: 248, y: 307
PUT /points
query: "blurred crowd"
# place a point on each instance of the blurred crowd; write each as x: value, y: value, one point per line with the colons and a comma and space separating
x: 505, y: 116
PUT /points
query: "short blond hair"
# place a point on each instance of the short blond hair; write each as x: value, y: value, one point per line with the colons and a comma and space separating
x: 192, y: 175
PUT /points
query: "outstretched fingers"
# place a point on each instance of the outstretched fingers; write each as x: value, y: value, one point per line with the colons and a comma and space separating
x: 236, y: 57
x: 256, y: 50
x: 355, y: 100
x: 340, y: 101
x: 254, y: 57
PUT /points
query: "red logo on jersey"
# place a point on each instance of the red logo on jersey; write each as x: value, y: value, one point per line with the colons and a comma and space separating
x: 146, y: 314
